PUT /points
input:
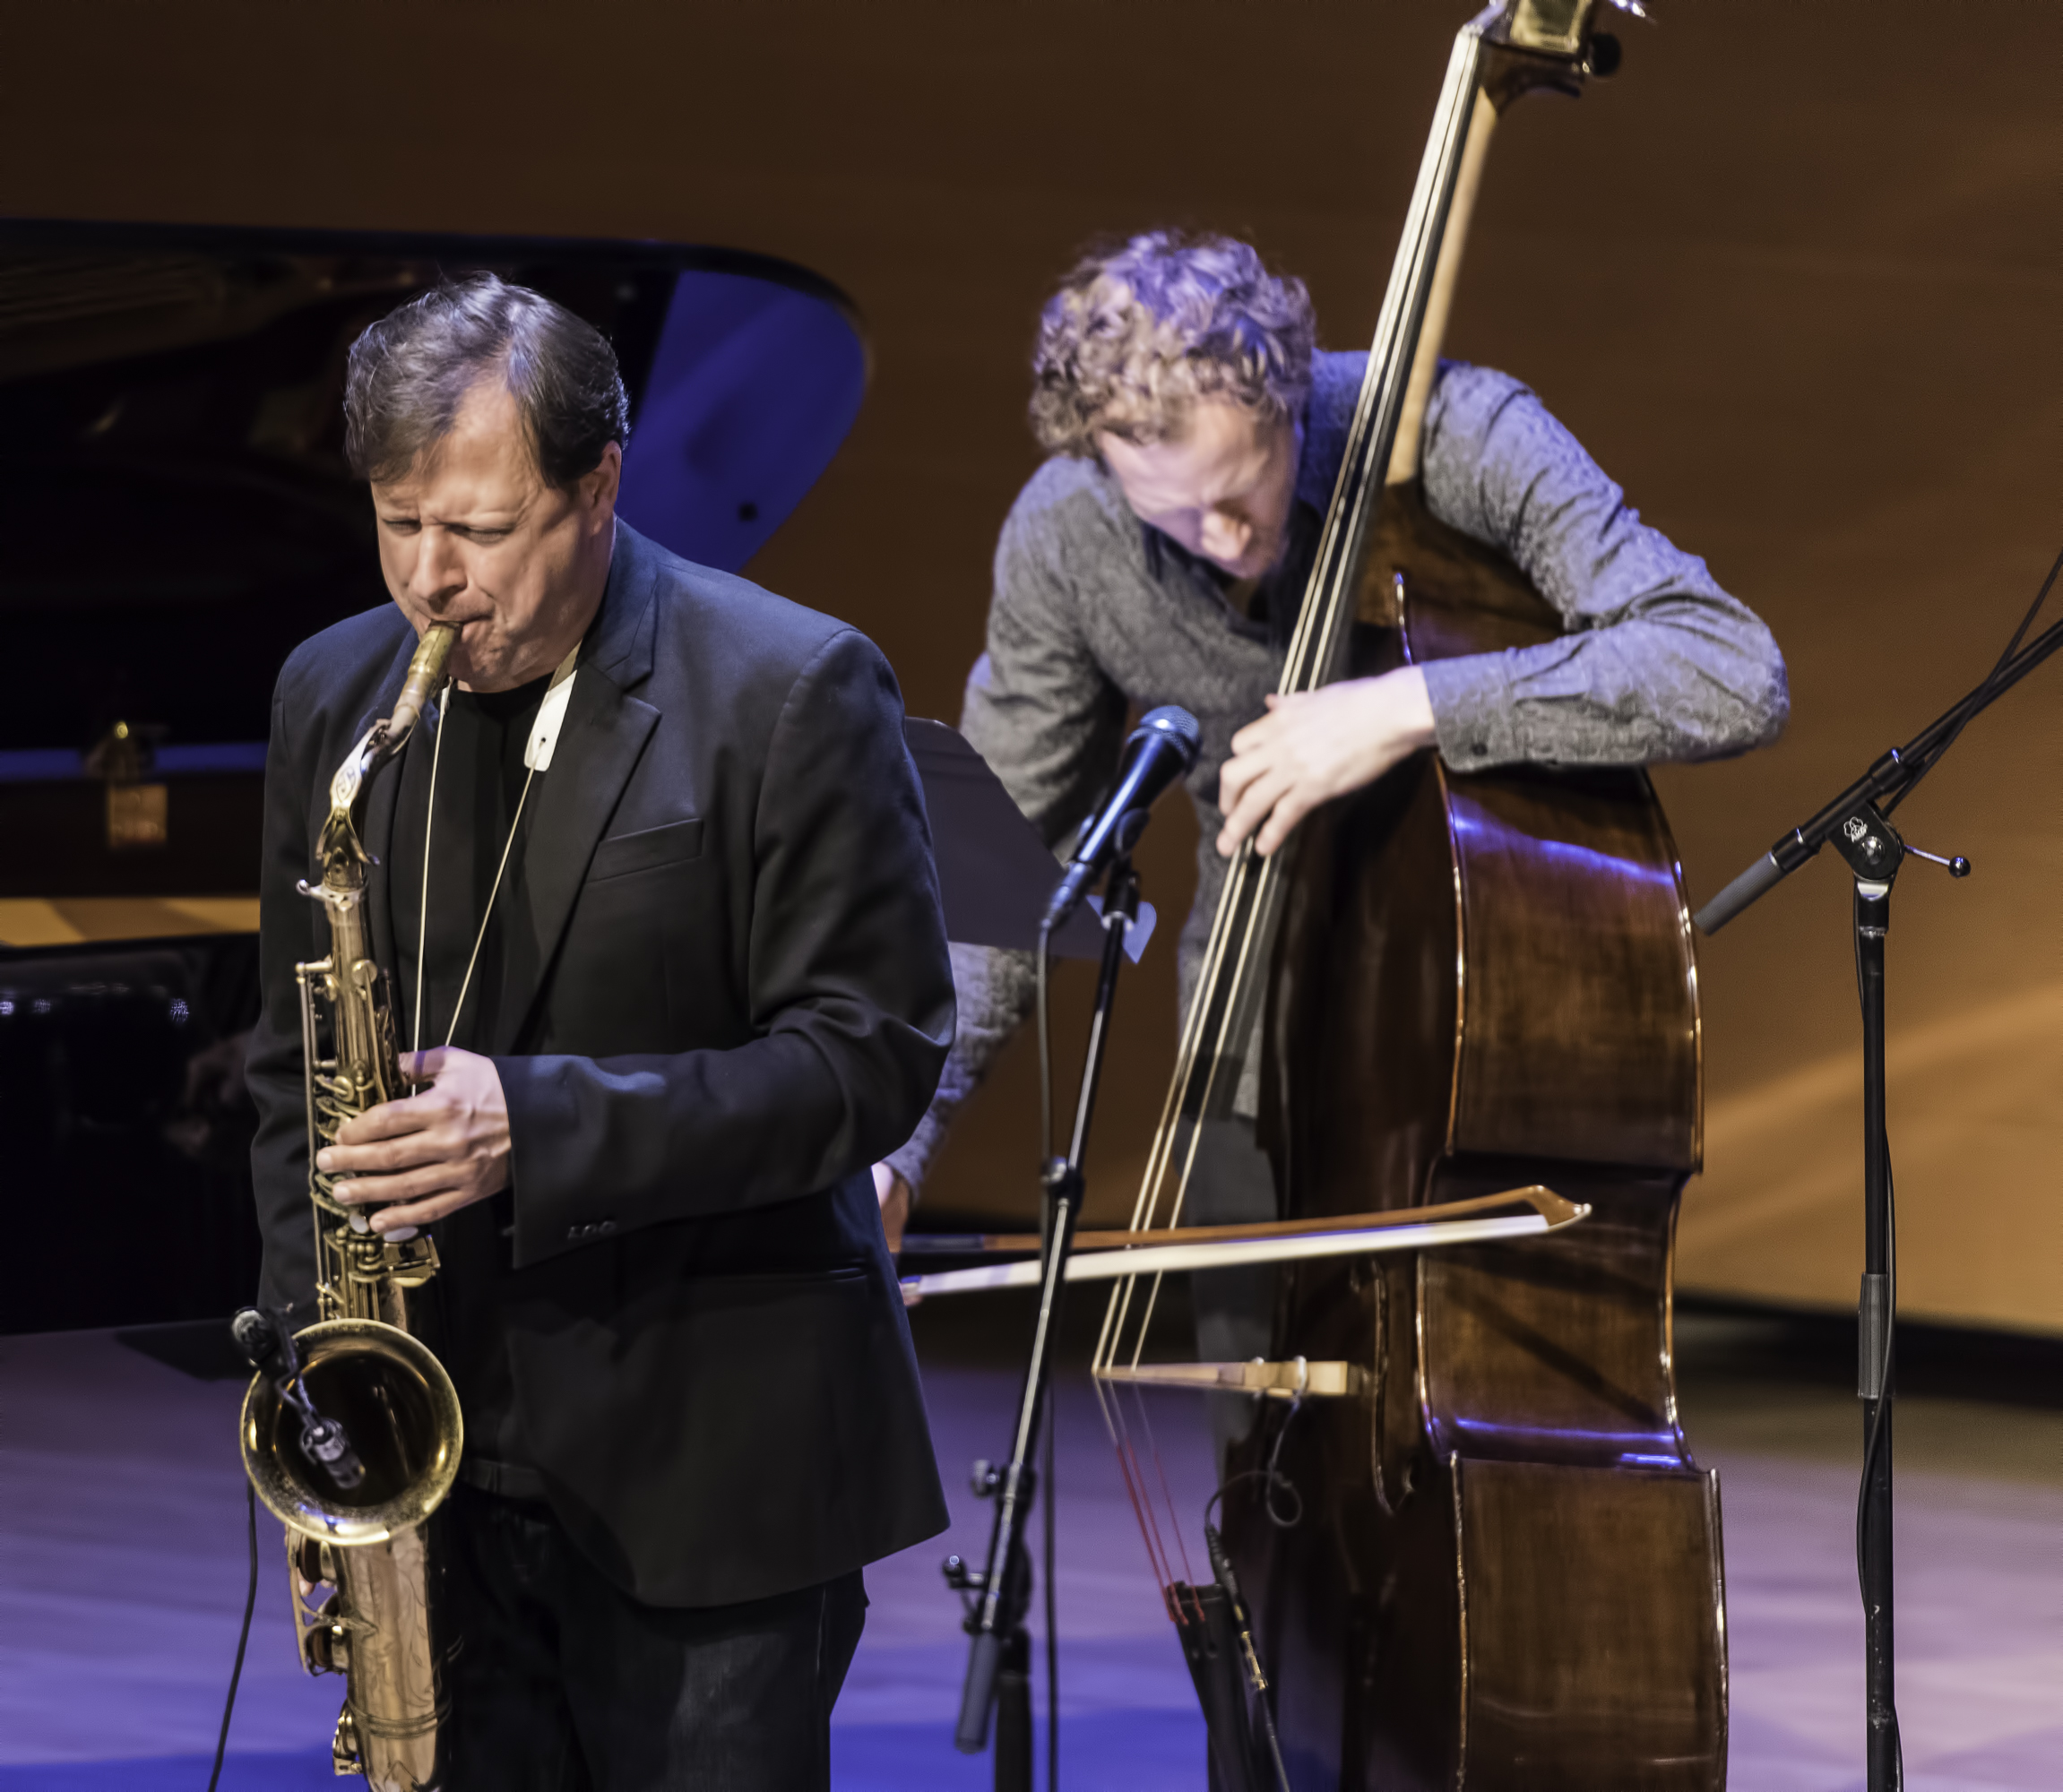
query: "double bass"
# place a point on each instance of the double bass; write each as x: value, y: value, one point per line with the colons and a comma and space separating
x: 1507, y: 1571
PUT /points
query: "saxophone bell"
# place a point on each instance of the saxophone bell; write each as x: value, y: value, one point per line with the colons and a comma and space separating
x: 267, y: 1342
x: 366, y: 1580
x: 390, y: 1399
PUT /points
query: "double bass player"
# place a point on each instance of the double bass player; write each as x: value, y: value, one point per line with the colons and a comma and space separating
x: 1159, y: 555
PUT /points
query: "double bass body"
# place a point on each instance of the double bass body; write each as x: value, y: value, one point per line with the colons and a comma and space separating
x: 1508, y: 1571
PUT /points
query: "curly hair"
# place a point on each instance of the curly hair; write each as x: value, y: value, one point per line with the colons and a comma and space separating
x: 1136, y: 336
x: 410, y: 373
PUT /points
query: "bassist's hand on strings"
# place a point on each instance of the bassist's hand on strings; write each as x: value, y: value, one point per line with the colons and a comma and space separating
x: 1317, y: 745
x: 433, y: 1152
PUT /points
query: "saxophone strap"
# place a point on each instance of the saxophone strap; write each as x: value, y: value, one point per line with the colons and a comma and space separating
x: 537, y: 757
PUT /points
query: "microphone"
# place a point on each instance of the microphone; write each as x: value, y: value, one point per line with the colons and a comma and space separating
x: 265, y: 1337
x: 1162, y: 749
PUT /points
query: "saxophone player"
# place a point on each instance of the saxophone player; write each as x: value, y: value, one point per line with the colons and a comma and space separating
x: 654, y: 886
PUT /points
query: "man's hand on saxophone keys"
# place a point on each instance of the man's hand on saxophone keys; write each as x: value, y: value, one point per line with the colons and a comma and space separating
x: 425, y: 1156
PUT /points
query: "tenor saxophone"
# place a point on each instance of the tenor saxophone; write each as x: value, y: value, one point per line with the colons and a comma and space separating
x: 350, y: 1430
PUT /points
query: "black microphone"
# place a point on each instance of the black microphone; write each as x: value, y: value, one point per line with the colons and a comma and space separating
x: 266, y: 1339
x: 1162, y: 749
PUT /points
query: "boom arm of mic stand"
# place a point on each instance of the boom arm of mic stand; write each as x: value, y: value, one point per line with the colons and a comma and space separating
x: 1761, y: 878
x: 1897, y: 770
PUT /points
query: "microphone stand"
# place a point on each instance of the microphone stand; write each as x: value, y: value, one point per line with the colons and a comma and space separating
x: 1887, y: 782
x: 1858, y: 825
x: 999, y: 1660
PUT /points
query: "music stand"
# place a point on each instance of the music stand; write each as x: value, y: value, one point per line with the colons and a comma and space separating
x: 994, y: 873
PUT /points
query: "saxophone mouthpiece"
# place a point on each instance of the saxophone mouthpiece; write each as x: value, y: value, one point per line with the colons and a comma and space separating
x: 426, y: 673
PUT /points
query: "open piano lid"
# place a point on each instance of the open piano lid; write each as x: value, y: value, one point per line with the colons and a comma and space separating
x: 176, y: 515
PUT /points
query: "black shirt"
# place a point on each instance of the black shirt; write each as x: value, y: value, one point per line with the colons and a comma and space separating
x: 479, y: 777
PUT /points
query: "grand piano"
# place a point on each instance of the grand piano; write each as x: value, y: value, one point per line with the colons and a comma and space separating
x: 175, y: 517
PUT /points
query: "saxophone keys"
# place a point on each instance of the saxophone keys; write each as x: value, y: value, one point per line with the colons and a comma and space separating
x: 345, y: 1754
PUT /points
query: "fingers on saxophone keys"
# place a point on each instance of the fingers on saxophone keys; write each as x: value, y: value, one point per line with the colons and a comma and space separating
x: 390, y: 1120
x: 349, y: 1192
x: 378, y: 1159
x: 406, y: 1220
x: 385, y: 1191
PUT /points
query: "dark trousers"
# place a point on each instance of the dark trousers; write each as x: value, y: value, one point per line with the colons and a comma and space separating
x: 565, y: 1684
x: 1231, y: 1183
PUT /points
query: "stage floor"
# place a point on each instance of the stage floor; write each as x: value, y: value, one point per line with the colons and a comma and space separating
x: 122, y: 1574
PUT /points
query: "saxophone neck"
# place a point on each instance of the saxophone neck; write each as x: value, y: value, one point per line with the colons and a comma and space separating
x: 426, y: 673
x: 341, y: 853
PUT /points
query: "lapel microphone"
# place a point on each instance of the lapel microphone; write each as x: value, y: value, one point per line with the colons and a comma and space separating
x: 1162, y: 749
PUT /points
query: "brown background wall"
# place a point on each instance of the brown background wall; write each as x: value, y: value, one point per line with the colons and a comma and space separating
x: 1792, y: 277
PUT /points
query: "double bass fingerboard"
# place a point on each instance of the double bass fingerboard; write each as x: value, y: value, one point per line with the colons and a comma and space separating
x: 1217, y: 1036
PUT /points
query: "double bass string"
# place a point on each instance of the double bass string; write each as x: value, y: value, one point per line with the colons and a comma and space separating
x: 1161, y: 1468
x: 1167, y: 1494
x: 1321, y: 626
x: 1133, y: 1474
x: 1248, y: 901
x: 1129, y: 1470
x: 1142, y: 1510
x: 1226, y: 1004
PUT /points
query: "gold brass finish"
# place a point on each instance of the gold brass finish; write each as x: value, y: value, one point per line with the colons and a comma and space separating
x: 368, y: 1600
x: 394, y: 1398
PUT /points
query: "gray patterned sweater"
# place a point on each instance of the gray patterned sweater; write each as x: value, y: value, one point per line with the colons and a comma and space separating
x: 1094, y: 614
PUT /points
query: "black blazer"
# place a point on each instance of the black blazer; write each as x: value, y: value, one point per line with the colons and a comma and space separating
x: 745, y: 1001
